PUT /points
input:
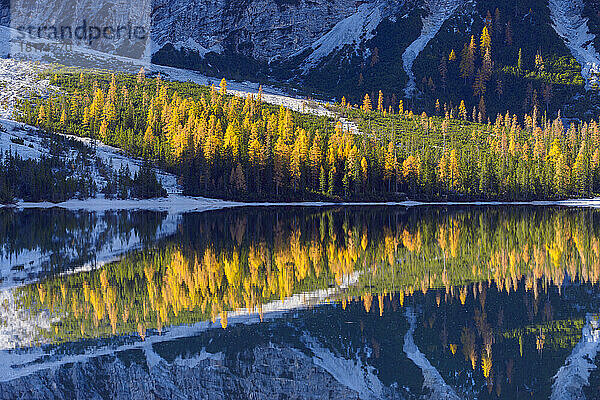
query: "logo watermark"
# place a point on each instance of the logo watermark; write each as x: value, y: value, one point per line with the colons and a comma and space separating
x: 89, y: 33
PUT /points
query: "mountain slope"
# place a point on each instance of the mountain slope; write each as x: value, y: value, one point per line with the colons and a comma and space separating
x: 335, y: 48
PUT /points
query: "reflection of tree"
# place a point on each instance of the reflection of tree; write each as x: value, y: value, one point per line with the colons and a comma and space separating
x: 66, y: 238
x: 228, y: 261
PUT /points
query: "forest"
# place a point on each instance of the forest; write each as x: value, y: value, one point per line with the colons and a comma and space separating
x: 68, y: 169
x: 225, y: 146
x: 46, y: 179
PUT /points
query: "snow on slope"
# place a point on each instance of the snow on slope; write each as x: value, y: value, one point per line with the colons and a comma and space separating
x: 432, y: 380
x: 18, y: 363
x: 353, y: 30
x: 439, y: 12
x: 115, y: 158
x: 569, y: 23
x: 100, y: 244
x: 18, y: 324
x: 16, y: 79
x: 11, y: 136
x: 570, y: 378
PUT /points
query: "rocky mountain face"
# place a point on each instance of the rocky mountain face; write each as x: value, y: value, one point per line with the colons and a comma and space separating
x: 340, y: 47
x: 259, y: 373
x: 299, y: 355
x: 265, y: 30
x: 335, y: 48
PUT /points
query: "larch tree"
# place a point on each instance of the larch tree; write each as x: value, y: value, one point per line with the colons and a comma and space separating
x: 366, y: 103
x: 486, y: 41
x: 452, y: 56
x: 462, y: 110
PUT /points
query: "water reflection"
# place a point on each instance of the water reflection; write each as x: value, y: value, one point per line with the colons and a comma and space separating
x: 38, y: 242
x: 502, y: 296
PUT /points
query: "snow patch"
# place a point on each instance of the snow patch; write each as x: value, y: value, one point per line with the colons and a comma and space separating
x: 191, y: 45
x: 116, y: 159
x: 571, y: 377
x: 353, y: 30
x: 572, y: 26
x: 350, y: 373
x: 439, y: 12
x: 432, y: 380
x: 199, y: 358
x: 19, y: 327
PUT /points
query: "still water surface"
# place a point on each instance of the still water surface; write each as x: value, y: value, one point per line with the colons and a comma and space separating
x: 478, y: 302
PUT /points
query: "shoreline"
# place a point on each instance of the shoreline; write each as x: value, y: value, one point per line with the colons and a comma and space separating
x: 175, y: 203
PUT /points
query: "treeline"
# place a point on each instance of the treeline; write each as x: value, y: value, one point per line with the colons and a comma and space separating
x: 219, y: 145
x: 226, y: 146
x: 456, y: 154
x: 46, y: 179
x: 143, y: 184
x: 508, y: 57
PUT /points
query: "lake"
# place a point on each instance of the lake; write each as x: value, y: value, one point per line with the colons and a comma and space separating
x: 457, y: 302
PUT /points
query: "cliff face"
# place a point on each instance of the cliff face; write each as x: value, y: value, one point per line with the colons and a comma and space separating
x: 261, y: 29
x: 334, y: 48
x: 261, y: 373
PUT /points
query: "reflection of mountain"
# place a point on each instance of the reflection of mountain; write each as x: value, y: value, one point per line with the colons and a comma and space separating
x: 482, y: 351
x: 501, y: 344
x: 242, y: 259
x: 38, y: 242
x: 303, y: 358
x: 495, y: 291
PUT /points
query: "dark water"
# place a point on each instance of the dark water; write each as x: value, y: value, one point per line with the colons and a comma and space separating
x: 496, y: 299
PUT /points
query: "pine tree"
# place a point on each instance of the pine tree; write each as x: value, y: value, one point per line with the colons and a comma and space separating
x: 331, y: 180
x: 487, y: 65
x: 364, y: 171
x: 562, y: 175
x: 63, y: 118
x: 454, y: 170
x: 322, y: 181
x: 467, y: 63
x: 109, y: 113
x: 390, y: 164
x: 581, y: 171
x: 539, y: 62
x: 479, y: 86
x: 41, y: 116
x: 315, y: 160
x: 443, y: 70
x: 508, y: 35
x: 141, y: 75
x: 520, y: 62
